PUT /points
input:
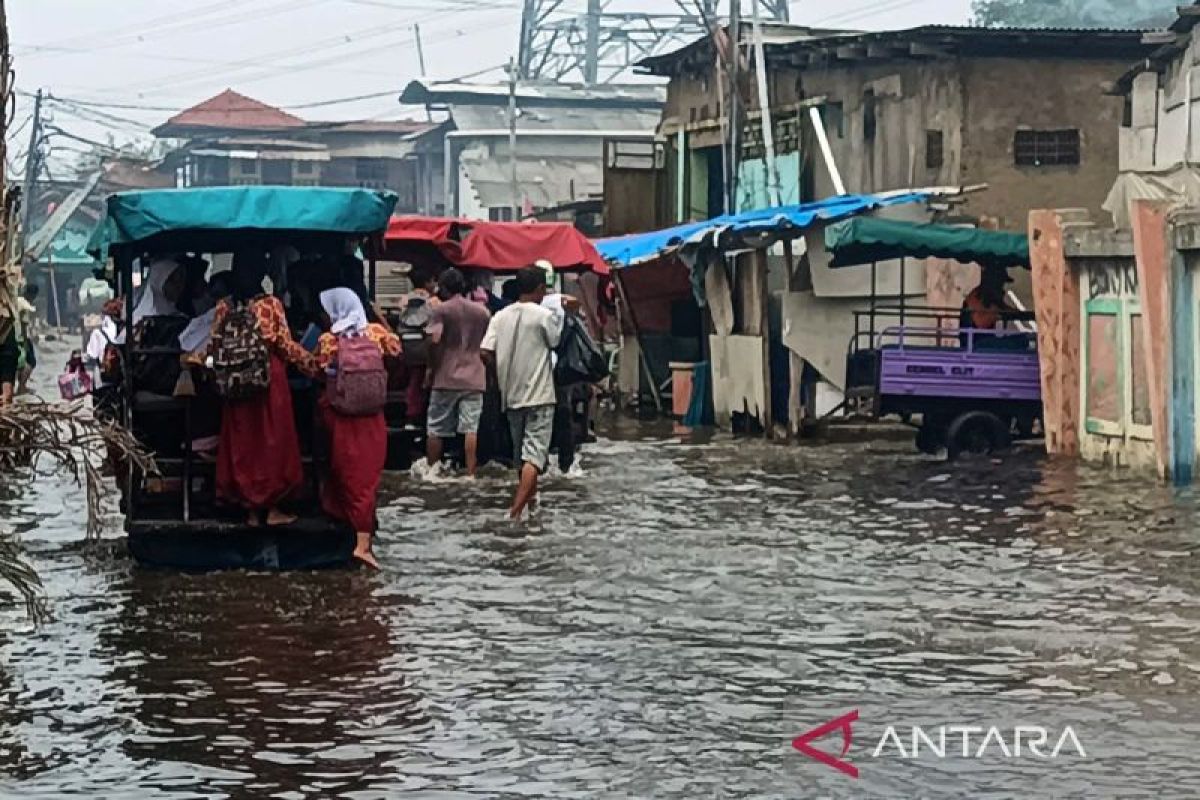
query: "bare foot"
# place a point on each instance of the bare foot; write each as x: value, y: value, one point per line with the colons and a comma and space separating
x: 275, y: 518
x: 362, y: 550
x: 252, y: 520
x: 368, y: 558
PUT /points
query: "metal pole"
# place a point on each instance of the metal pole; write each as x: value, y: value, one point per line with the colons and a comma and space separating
x: 420, y: 49
x: 764, y: 105
x: 591, y: 57
x: 32, y: 165
x: 735, y: 118
x: 449, y: 179
x: 421, y: 63
x: 512, y: 138
x: 818, y: 124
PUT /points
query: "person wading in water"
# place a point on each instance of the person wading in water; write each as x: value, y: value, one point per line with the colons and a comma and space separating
x: 520, y: 341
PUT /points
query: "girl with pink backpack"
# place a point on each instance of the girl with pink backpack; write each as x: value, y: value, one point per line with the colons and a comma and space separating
x: 352, y: 354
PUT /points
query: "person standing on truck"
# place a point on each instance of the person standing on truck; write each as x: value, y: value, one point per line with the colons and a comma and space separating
x: 258, y: 458
x: 352, y: 408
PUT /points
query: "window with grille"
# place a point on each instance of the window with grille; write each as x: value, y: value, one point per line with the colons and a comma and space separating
x: 245, y: 166
x: 935, y: 154
x: 500, y: 214
x: 304, y: 167
x: 1046, y: 148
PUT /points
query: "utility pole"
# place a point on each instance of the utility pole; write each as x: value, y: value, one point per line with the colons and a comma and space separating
x: 733, y: 105
x: 420, y: 50
x: 764, y: 107
x: 32, y: 166
x: 421, y: 64
x: 591, y: 57
x: 512, y: 138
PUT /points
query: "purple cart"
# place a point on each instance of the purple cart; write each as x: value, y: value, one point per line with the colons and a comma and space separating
x: 966, y: 390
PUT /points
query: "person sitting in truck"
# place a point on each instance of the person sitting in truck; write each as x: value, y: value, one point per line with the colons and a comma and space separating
x: 984, y: 307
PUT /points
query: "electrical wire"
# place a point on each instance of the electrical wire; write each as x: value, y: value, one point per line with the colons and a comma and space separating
x: 146, y: 26
x: 177, y: 82
x: 188, y: 27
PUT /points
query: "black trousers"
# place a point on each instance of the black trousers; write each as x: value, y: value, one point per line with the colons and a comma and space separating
x: 10, y: 354
x: 562, y: 436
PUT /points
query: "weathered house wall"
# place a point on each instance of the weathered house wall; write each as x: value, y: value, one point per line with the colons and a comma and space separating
x: 906, y: 100
x: 1117, y: 336
x: 1003, y: 96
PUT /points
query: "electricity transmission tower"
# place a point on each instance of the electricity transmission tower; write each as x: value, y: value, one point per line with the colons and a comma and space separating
x: 601, y: 44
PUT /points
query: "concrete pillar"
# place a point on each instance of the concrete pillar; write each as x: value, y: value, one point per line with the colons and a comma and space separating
x: 1056, y: 301
x: 1149, y: 220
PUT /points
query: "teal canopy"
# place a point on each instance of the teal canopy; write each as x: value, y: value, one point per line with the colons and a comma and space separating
x: 864, y: 240
x: 136, y: 217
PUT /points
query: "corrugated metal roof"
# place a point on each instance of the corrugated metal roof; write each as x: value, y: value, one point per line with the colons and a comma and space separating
x: 403, y: 127
x: 953, y: 39
x: 643, y: 95
x: 545, y: 118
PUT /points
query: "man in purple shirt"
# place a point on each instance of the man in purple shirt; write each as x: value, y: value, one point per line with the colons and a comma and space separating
x: 459, y: 375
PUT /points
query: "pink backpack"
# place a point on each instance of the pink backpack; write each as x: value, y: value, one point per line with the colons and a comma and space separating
x: 359, y: 387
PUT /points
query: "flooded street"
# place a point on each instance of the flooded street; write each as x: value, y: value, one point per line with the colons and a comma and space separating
x: 664, y: 628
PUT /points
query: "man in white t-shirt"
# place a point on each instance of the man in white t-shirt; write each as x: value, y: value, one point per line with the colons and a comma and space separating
x: 520, y: 341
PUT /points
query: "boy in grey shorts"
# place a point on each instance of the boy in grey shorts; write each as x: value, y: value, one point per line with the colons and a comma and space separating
x: 459, y: 377
x: 519, y: 341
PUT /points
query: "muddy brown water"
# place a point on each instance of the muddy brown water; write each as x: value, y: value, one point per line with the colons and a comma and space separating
x: 664, y: 628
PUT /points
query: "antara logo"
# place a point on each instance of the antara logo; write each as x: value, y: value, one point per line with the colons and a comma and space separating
x: 944, y: 741
x: 842, y: 723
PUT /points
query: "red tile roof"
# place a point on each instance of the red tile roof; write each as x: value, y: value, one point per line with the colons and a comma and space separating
x: 229, y: 111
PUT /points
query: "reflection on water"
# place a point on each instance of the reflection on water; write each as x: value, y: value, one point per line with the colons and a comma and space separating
x: 663, y: 627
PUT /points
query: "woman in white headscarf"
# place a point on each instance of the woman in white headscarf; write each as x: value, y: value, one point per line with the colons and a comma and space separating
x: 357, y: 444
x: 165, y: 283
x: 156, y: 325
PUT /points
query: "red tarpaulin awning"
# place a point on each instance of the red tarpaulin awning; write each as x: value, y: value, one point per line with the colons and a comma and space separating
x: 498, y: 246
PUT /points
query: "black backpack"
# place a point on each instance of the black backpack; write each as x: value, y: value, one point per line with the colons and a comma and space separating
x: 413, y: 330
x: 580, y: 359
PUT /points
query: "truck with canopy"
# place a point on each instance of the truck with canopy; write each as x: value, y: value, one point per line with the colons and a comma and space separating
x: 974, y: 390
x: 174, y: 518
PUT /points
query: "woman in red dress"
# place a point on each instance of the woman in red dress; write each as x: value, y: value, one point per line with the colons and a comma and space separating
x: 258, y: 458
x: 357, y: 445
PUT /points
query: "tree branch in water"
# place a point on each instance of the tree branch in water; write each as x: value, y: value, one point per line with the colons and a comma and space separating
x: 37, y: 437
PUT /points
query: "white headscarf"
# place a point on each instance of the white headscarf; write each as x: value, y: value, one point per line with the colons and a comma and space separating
x: 345, y: 310
x: 154, y: 303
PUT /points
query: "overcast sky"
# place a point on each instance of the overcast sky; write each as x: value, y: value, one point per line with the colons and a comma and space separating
x: 292, y: 52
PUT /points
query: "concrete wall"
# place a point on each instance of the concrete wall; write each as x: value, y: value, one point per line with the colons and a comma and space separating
x: 1117, y: 337
x: 1164, y: 116
x: 1006, y: 95
x: 977, y: 104
x: 909, y: 100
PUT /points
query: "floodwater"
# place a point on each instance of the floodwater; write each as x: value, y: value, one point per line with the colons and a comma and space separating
x: 665, y: 627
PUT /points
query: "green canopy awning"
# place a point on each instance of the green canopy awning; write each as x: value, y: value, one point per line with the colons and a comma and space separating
x: 143, y: 215
x: 864, y: 240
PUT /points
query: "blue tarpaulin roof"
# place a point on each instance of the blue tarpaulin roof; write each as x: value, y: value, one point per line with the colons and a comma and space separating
x: 737, y: 229
x: 138, y: 216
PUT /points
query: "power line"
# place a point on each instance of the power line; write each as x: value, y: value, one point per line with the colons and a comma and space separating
x: 147, y: 25
x: 177, y: 81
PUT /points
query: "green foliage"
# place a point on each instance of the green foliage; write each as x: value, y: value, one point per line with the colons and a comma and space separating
x: 1074, y: 13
